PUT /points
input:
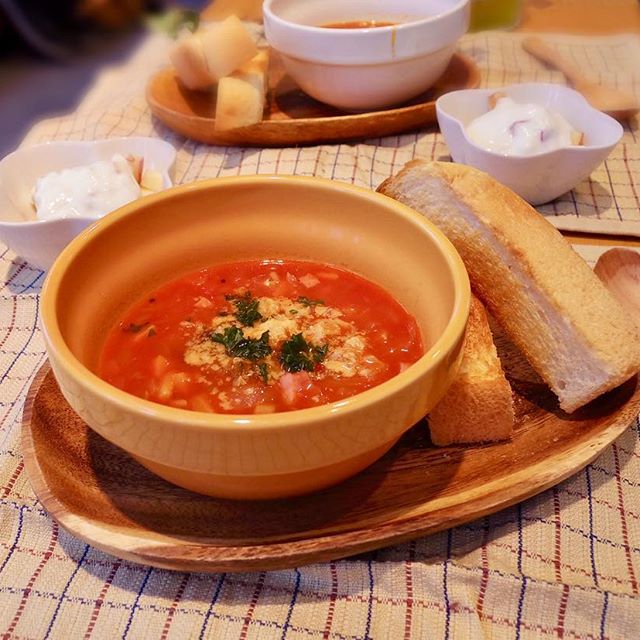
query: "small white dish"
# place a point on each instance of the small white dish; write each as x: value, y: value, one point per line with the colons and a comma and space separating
x: 365, y: 68
x: 40, y: 241
x: 544, y: 176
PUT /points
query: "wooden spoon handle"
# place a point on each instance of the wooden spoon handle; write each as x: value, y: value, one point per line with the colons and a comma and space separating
x: 619, y: 269
x: 539, y: 49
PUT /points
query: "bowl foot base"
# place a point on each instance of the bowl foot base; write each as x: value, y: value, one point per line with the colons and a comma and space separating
x: 263, y: 487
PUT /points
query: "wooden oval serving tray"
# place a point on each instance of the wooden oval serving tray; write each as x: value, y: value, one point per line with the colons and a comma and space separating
x: 99, y: 494
x: 291, y: 117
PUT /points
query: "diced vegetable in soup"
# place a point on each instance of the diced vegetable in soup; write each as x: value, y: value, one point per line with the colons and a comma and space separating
x: 260, y: 337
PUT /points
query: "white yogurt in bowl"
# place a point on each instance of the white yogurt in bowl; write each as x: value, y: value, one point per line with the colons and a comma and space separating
x: 520, y: 128
x: 91, y: 190
x: 50, y: 192
x: 545, y: 172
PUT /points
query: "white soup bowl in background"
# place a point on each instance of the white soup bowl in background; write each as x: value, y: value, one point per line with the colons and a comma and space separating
x: 40, y: 241
x: 365, y: 68
x: 544, y: 176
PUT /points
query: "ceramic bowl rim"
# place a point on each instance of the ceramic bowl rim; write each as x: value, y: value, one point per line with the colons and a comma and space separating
x: 344, y: 33
x: 377, y: 54
x: 249, y: 422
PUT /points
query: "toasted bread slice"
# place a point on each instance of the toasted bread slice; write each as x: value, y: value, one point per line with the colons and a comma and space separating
x: 552, y: 306
x: 478, y: 406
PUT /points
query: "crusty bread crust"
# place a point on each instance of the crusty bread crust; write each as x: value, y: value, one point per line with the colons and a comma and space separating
x: 569, y: 326
x: 478, y: 406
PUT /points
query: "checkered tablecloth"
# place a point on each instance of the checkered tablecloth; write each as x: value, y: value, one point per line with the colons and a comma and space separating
x: 563, y: 564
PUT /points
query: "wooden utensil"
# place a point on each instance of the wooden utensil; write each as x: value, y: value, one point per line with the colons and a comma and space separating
x: 614, y: 102
x: 291, y: 117
x: 619, y: 269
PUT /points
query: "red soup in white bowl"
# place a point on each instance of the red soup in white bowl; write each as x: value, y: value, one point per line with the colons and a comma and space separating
x: 365, y: 54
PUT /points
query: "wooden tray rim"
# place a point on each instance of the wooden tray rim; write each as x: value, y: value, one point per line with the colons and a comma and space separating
x: 179, y: 554
x: 259, y: 133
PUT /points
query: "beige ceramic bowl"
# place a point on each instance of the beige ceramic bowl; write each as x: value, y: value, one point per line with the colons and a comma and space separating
x: 144, y: 244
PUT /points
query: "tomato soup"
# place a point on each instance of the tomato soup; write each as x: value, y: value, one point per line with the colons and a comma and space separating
x: 260, y: 337
x: 359, y: 24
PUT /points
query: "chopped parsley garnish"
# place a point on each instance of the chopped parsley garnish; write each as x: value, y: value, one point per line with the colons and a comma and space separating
x: 151, y: 333
x: 238, y: 346
x: 132, y: 327
x: 298, y: 355
x: 263, y: 371
x: 308, y: 302
x: 246, y: 309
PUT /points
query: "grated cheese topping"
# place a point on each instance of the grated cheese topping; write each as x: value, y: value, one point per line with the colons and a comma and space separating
x: 320, y: 325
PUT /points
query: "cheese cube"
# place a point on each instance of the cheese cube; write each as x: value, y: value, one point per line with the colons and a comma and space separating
x: 241, y: 95
x: 226, y: 45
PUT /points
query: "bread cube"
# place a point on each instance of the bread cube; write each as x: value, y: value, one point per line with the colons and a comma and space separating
x: 226, y: 45
x: 187, y: 58
x: 241, y: 96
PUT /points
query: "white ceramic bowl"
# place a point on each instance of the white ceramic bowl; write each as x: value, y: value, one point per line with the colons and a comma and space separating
x: 357, y: 69
x: 544, y: 176
x: 40, y: 241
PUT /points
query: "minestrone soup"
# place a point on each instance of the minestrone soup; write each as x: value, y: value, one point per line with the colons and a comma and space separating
x: 260, y: 337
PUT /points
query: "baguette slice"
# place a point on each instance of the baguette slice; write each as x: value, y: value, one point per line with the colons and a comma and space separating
x: 478, y: 406
x: 553, y: 307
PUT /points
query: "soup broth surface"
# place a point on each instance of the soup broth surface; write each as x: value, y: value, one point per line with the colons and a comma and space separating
x: 260, y: 337
x: 359, y: 24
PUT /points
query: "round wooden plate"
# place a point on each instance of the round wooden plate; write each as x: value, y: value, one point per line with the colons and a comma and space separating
x: 291, y: 117
x: 99, y: 494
